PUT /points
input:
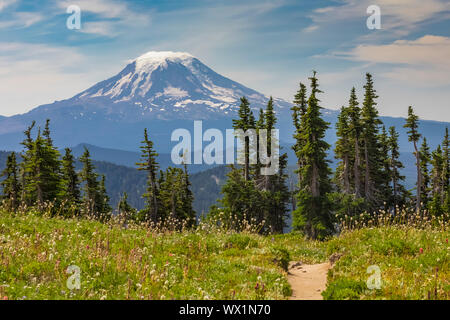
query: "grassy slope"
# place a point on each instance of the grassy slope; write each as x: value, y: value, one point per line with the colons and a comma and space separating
x: 135, y: 263
x: 414, y: 264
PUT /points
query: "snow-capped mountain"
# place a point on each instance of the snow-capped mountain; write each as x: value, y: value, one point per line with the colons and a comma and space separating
x: 170, y: 85
x: 161, y: 91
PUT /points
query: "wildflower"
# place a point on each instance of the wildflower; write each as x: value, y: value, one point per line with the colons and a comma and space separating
x: 257, y: 286
x: 5, y: 298
x: 421, y: 250
x: 87, y: 247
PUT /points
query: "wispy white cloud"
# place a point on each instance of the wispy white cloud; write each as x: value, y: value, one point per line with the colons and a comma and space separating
x: 35, y: 74
x: 310, y: 28
x: 102, y: 28
x: 218, y: 26
x: 22, y: 20
x: 424, y: 60
x: 400, y: 17
x: 113, y: 16
x: 6, y: 3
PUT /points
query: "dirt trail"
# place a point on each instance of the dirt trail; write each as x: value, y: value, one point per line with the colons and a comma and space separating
x: 307, y: 281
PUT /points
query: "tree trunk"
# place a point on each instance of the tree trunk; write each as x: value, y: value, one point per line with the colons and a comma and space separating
x: 394, y: 182
x: 419, y: 179
x: 356, y: 169
x: 367, y: 172
x: 346, y: 175
x: 247, y: 159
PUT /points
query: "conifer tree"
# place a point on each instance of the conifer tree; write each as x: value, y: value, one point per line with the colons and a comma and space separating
x: 412, y: 123
x: 246, y: 121
x: 343, y: 151
x: 313, y: 214
x: 446, y: 171
x: 10, y: 184
x: 51, y: 167
x: 149, y: 164
x: 269, y: 124
x: 387, y: 144
x: 70, y: 179
x: 398, y: 196
x: 370, y: 133
x: 187, y: 199
x: 262, y: 199
x: 276, y: 193
x: 25, y: 171
x: 298, y: 111
x: 355, y: 129
x: 241, y: 200
x: 437, y: 183
x: 91, y: 204
x: 70, y: 188
x: 43, y: 170
x: 278, y: 198
x: 256, y: 169
x: 103, y: 199
x: 425, y: 158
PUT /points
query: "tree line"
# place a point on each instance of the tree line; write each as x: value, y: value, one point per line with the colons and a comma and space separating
x: 47, y: 181
x: 368, y: 177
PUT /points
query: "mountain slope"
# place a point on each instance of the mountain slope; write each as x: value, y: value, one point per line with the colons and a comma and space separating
x: 174, y: 87
x: 162, y: 91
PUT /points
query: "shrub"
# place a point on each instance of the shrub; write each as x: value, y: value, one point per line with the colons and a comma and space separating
x: 344, y: 289
x: 240, y: 241
x: 281, y: 257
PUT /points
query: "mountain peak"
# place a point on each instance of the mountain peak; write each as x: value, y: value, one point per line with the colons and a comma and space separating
x: 152, y: 59
x: 169, y: 85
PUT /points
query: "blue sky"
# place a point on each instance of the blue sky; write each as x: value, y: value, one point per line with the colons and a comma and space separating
x: 269, y: 46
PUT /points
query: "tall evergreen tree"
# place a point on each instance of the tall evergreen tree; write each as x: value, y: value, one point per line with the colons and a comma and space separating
x: 277, y: 197
x: 51, y: 167
x: 437, y: 182
x: 343, y: 151
x: 412, y: 123
x: 269, y: 121
x: 70, y: 179
x: 370, y: 133
x: 298, y: 111
x: 276, y: 193
x: 187, y: 198
x: 387, y: 144
x: 103, y: 199
x: 313, y: 214
x: 241, y: 200
x: 91, y: 204
x: 425, y: 158
x: 446, y: 169
x: 246, y: 121
x: 355, y: 129
x: 70, y: 188
x: 399, y: 192
x: 10, y: 184
x: 149, y: 164
x: 25, y: 171
x: 43, y: 170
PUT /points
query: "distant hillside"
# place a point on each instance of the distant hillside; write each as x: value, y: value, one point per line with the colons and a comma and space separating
x: 128, y: 158
x: 205, y: 185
